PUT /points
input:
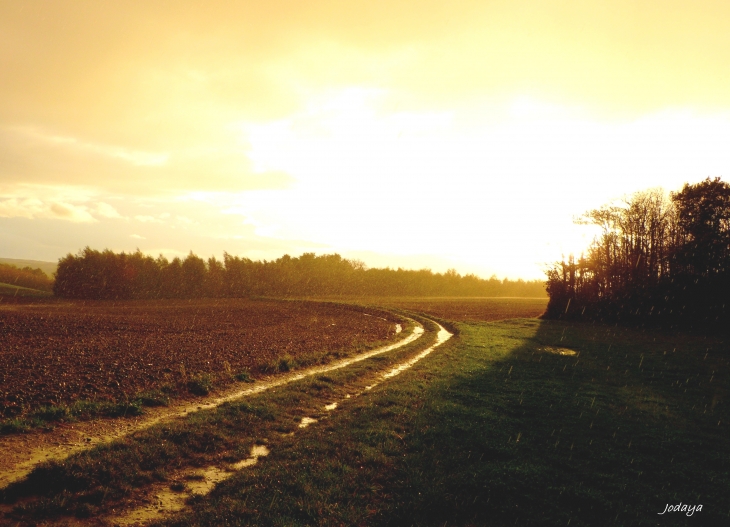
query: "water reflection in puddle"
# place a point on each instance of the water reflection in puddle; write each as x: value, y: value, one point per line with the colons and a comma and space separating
x: 558, y: 351
x: 306, y: 421
x: 330, y: 407
x: 256, y: 452
x: 443, y: 336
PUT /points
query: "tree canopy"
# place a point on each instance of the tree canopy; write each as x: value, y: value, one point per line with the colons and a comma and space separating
x: 109, y: 275
x: 659, y: 258
x: 25, y: 277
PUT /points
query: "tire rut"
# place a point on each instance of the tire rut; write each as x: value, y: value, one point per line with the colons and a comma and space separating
x: 166, y: 499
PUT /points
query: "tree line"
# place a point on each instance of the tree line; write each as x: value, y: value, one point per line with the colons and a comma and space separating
x: 25, y: 277
x: 659, y: 259
x: 94, y: 274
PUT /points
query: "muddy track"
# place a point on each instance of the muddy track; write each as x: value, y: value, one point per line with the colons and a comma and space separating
x: 19, y: 454
x: 163, y: 499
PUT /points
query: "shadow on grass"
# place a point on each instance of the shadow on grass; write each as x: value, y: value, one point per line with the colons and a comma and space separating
x: 506, y: 426
x: 538, y: 436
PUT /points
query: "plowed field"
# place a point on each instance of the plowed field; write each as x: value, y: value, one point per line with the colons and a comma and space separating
x: 54, y: 353
x: 470, y: 309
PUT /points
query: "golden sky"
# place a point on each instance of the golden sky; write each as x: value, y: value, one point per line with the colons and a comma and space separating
x: 403, y: 133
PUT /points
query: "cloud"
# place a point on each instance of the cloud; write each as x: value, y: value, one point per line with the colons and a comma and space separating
x: 68, y: 203
x: 147, y: 219
x: 35, y: 155
x: 27, y: 208
x: 185, y: 220
x: 107, y: 211
x: 152, y: 79
x: 137, y: 237
x: 136, y: 158
x: 147, y: 100
x: 34, y: 208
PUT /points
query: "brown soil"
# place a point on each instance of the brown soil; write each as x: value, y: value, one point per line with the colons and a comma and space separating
x: 58, y: 352
x: 20, y: 453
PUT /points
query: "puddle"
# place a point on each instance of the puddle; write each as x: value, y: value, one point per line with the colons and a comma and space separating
x: 558, y: 351
x: 443, y: 336
x: 330, y: 407
x: 306, y: 421
x: 172, y: 498
x: 256, y: 452
x: 398, y: 328
x: 202, y: 481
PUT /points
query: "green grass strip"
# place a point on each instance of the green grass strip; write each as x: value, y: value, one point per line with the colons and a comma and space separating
x: 16, y: 290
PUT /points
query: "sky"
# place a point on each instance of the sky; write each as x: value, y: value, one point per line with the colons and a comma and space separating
x: 415, y: 134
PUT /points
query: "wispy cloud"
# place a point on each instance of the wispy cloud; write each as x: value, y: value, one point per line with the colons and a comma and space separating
x: 107, y: 211
x: 33, y: 208
x: 134, y: 157
x: 145, y: 218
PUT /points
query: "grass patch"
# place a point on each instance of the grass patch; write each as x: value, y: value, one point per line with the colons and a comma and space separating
x: 154, y: 398
x: 244, y: 376
x: 83, y: 410
x: 15, y: 290
x: 91, y: 409
x: 50, y: 413
x: 15, y: 426
x: 201, y: 384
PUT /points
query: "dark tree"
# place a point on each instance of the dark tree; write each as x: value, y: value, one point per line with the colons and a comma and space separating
x: 94, y: 274
x: 657, y: 260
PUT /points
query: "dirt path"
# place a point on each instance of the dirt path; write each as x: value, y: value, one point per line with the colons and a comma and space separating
x: 19, y: 454
x: 164, y: 499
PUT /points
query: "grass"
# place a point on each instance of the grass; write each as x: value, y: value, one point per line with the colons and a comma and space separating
x: 495, y: 429
x: 15, y: 290
x: 521, y: 422
x: 45, y: 416
x: 244, y: 376
x: 200, y: 384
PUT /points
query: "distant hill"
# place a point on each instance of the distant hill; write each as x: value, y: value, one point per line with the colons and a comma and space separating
x: 47, y: 267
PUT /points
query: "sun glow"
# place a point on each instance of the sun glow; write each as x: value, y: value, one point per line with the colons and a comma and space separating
x: 421, y: 135
x: 395, y: 182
